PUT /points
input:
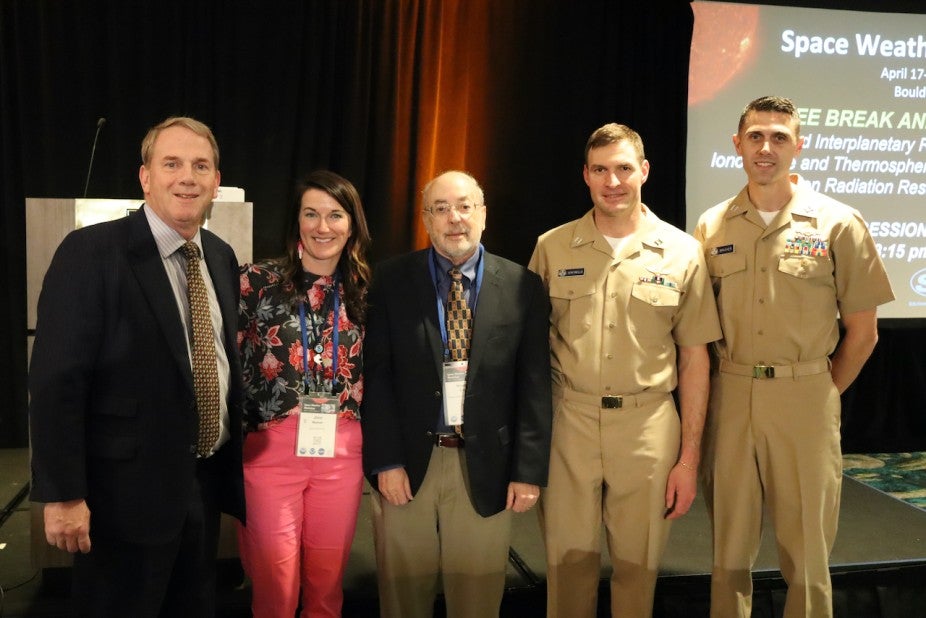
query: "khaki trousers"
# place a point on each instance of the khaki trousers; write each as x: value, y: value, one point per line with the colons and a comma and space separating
x: 439, y: 533
x: 607, y: 465
x: 777, y: 441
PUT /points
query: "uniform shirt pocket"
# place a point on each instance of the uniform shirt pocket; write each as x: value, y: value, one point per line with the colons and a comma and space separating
x: 805, y: 267
x: 726, y: 264
x: 572, y: 301
x: 652, y: 312
x: 656, y: 295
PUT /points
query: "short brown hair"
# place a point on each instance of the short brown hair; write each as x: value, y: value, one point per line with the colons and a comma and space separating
x: 612, y: 133
x: 779, y: 105
x: 197, y: 127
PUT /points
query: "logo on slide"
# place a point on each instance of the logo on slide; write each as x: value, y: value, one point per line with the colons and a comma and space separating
x: 918, y: 282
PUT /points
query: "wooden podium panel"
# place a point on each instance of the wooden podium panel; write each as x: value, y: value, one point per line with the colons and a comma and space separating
x: 49, y: 220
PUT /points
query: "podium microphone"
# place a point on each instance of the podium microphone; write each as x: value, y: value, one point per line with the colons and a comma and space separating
x: 99, y: 125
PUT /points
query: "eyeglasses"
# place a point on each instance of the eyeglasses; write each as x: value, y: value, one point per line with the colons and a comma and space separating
x: 465, y: 210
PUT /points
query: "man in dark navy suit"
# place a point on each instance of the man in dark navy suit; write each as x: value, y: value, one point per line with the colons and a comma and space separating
x: 130, y: 486
x: 452, y: 446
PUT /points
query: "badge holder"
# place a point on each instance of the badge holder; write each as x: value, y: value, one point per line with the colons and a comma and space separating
x: 454, y: 383
x: 318, y: 415
x: 318, y: 421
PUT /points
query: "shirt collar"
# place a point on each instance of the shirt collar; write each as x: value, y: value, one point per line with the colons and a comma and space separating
x: 167, y: 238
x: 468, y: 268
x: 587, y: 232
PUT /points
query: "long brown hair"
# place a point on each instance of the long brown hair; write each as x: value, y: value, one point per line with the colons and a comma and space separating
x: 353, y: 266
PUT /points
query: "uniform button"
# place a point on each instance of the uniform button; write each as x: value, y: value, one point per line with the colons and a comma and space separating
x: 761, y: 301
x: 570, y: 293
x: 764, y: 269
x: 613, y: 294
x: 437, y: 394
x: 609, y: 356
x: 610, y: 324
x: 607, y: 388
x: 761, y: 332
x: 654, y: 299
x: 613, y: 267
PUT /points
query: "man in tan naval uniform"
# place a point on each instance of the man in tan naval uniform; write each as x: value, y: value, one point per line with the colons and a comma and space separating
x: 632, y: 312
x: 783, y: 260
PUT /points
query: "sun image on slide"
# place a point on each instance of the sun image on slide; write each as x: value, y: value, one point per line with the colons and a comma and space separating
x: 723, y: 46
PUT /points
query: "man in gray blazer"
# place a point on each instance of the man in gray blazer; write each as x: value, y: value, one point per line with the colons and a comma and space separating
x: 452, y: 449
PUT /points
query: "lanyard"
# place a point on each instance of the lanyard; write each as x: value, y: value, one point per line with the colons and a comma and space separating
x: 318, y: 377
x: 473, y: 291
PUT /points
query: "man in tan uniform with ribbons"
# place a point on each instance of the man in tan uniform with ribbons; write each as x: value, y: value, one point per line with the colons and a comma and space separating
x: 632, y: 312
x: 785, y: 261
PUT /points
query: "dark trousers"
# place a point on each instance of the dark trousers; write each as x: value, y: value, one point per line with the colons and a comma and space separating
x: 119, y: 578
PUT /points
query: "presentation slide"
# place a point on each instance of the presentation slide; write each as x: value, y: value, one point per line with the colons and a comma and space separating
x: 859, y: 81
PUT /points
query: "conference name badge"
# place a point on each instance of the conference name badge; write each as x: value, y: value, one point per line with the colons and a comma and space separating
x: 454, y: 383
x: 318, y: 423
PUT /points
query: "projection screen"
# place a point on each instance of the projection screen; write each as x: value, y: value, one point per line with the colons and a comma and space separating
x: 859, y: 80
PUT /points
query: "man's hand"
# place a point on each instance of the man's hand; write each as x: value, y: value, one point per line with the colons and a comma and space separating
x: 681, y: 490
x: 67, y: 525
x: 521, y: 497
x: 394, y: 486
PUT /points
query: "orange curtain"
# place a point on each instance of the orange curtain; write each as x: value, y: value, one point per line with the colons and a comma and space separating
x: 438, y: 102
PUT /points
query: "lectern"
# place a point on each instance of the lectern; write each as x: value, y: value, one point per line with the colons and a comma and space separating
x: 48, y: 221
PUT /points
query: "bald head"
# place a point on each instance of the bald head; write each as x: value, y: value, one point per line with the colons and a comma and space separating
x: 454, y: 214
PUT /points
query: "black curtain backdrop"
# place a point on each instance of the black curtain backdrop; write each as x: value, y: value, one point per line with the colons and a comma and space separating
x: 385, y: 92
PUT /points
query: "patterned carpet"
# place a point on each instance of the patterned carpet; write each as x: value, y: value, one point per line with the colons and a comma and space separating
x: 902, y: 475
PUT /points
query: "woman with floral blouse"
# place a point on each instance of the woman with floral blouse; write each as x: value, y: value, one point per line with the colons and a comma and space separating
x: 302, y: 456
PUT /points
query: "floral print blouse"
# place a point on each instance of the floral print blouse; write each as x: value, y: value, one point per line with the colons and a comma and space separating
x: 270, y: 344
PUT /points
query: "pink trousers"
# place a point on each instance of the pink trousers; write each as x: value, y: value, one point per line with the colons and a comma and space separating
x: 301, y: 517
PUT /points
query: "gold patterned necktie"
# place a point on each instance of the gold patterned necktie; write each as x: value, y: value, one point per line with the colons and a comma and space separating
x: 205, y: 373
x: 459, y: 318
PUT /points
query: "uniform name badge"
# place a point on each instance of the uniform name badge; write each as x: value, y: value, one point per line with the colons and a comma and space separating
x: 318, y: 423
x: 454, y: 390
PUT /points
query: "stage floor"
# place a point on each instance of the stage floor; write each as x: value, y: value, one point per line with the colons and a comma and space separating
x: 878, y: 562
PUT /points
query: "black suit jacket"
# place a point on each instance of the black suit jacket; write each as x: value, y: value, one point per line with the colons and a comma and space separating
x: 507, y: 407
x: 112, y: 409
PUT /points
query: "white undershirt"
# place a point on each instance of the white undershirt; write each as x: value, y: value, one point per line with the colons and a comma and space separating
x: 768, y: 215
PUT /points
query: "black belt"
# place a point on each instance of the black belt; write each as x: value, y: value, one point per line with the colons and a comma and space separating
x: 446, y: 440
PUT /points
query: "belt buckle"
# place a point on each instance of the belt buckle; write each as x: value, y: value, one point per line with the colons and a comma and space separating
x: 447, y: 440
x: 762, y: 372
x: 612, y: 402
